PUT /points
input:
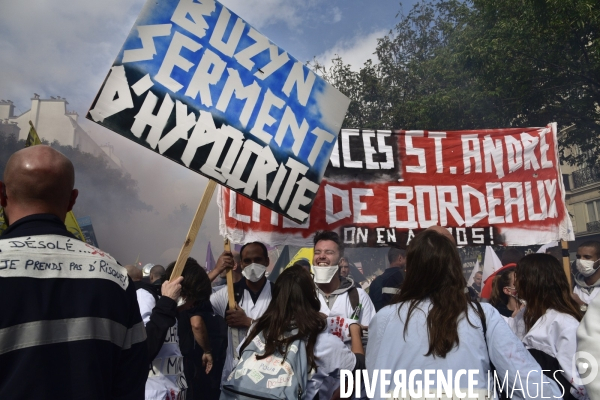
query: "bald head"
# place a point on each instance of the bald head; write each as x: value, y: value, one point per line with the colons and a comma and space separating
x: 156, y: 273
x: 134, y: 273
x: 38, y: 179
x: 442, y: 231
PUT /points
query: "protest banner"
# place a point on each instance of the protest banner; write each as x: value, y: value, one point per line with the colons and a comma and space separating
x: 305, y: 253
x: 85, y: 223
x: 489, y: 187
x: 197, y: 84
x: 3, y: 224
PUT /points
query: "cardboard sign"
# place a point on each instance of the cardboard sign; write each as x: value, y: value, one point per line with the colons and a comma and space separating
x: 197, y: 84
x: 500, y: 186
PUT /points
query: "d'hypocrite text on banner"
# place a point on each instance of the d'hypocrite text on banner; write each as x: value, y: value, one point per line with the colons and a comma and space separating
x: 197, y: 84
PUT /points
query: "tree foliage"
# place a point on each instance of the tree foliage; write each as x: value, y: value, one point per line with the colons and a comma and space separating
x: 104, y: 192
x: 451, y: 64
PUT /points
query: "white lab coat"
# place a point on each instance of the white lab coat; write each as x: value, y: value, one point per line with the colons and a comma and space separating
x: 332, y: 356
x: 587, y: 295
x: 555, y: 334
x: 343, y: 308
x: 588, y: 337
x: 253, y: 310
x: 388, y: 349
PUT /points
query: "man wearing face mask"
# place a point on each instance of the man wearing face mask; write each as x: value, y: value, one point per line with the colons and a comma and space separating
x: 587, y: 275
x: 252, y: 295
x: 336, y: 292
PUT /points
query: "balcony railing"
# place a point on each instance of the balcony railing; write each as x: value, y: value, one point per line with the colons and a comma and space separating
x: 586, y: 176
x: 593, y: 226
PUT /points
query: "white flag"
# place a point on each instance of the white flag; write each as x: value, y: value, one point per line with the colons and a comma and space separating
x: 547, y: 246
x: 491, y: 262
x: 476, y: 269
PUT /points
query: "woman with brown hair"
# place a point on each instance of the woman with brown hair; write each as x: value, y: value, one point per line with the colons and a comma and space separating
x: 433, y: 325
x: 293, y: 314
x: 548, y: 324
x: 504, y: 294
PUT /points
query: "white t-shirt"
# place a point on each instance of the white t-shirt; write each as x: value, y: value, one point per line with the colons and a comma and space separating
x: 166, y: 379
x: 219, y: 301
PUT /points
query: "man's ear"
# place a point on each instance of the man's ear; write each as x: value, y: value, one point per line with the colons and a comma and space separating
x: 2, y: 194
x: 74, y: 195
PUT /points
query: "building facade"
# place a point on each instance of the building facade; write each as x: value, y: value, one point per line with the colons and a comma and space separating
x: 53, y: 121
x: 582, y: 194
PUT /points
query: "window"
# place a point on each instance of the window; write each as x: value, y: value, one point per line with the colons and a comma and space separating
x: 566, y: 181
x: 593, y: 209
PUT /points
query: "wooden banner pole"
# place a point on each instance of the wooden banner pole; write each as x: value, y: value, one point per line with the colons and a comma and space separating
x: 566, y: 262
x: 229, y: 274
x: 193, y: 231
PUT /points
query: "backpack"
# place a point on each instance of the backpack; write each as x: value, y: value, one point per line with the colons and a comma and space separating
x: 270, y: 378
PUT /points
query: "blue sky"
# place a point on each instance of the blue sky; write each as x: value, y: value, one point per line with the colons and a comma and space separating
x: 66, y: 47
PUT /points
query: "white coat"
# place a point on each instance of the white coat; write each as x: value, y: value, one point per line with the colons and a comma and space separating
x: 219, y: 301
x: 389, y: 349
x: 555, y: 334
x: 588, y: 339
x: 332, y: 357
x: 342, y: 307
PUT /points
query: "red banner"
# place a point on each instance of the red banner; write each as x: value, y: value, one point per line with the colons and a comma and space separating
x: 500, y: 186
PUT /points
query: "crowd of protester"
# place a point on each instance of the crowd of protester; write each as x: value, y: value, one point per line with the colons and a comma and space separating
x: 77, y: 325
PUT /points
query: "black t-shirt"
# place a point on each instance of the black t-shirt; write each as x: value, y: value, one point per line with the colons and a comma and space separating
x: 37, y: 224
x: 215, y: 326
x: 503, y: 310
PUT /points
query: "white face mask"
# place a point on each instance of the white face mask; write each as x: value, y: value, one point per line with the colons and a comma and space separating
x: 254, y: 272
x: 324, y: 274
x: 585, y: 267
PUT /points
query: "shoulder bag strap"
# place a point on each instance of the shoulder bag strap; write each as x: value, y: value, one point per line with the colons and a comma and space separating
x: 353, y: 296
